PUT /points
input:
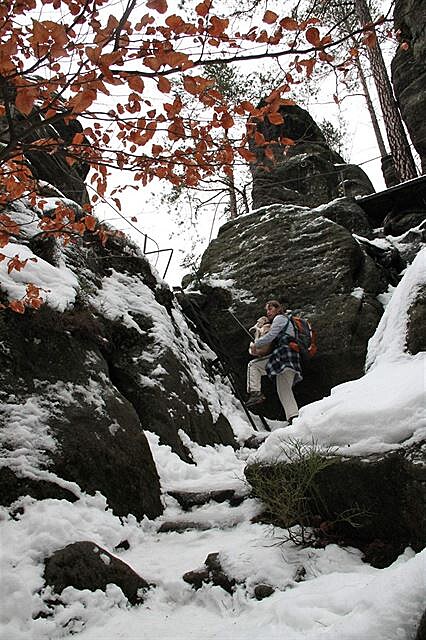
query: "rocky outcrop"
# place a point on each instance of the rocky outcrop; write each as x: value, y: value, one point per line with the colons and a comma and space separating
x: 85, y: 565
x: 376, y: 502
x: 302, y: 256
x: 59, y: 394
x: 80, y: 383
x: 416, y: 334
x: 409, y: 70
x: 306, y: 173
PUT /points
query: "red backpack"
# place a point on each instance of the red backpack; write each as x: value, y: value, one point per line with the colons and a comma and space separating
x: 305, y: 338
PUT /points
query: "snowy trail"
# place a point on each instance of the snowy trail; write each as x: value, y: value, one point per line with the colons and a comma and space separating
x: 338, y: 597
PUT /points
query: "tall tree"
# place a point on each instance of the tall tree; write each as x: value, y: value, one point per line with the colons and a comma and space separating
x: 342, y: 14
x: 405, y: 167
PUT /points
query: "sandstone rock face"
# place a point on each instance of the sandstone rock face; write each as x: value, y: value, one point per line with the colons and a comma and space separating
x: 79, y: 385
x: 416, y: 337
x: 409, y: 70
x: 308, y: 173
x: 85, y: 565
x: 87, y: 433
x: 302, y: 256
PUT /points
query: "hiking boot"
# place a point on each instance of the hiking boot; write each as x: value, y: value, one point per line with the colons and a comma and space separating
x: 255, y: 397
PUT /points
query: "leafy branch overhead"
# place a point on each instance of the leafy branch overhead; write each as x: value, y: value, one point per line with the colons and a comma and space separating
x: 84, y: 61
x: 110, y: 69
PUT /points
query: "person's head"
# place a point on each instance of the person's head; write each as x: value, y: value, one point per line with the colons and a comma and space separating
x: 273, y: 308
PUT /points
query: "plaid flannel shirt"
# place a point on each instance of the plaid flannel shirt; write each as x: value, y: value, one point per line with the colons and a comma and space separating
x: 284, y: 357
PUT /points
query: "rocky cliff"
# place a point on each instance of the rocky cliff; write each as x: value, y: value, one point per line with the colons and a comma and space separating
x: 307, y: 172
x: 108, y: 356
x: 409, y: 70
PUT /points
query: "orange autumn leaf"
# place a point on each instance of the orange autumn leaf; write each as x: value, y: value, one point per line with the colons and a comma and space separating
x: 313, y: 36
x: 370, y: 39
x: 78, y: 138
x: 157, y: 5
x: 176, y: 129
x: 275, y: 118
x: 35, y: 303
x: 218, y: 26
x: 325, y: 57
x: 270, y: 17
x: 82, y: 100
x: 136, y: 84
x: 16, y: 263
x: 152, y: 63
x: 25, y: 98
x: 90, y: 222
x: 309, y: 65
x: 164, y: 85
x: 247, y: 154
x: 287, y: 142
x: 289, y: 24
x: 32, y: 291
x: 227, y: 121
x: 259, y: 139
x: 17, y: 306
x: 203, y: 8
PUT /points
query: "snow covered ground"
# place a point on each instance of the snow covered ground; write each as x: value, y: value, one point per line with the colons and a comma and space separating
x: 338, y: 596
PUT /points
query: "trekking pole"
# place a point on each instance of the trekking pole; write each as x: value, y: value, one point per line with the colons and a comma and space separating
x: 241, y: 325
x: 261, y: 418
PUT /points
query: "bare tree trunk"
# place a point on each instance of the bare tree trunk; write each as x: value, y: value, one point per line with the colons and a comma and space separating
x: 233, y: 209
x: 398, y: 142
x: 370, y: 107
x: 388, y: 165
x: 245, y: 199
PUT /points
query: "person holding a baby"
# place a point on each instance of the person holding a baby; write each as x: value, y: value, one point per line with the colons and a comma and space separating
x: 274, y: 357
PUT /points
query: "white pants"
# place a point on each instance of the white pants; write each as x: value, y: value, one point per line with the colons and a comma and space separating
x: 257, y: 368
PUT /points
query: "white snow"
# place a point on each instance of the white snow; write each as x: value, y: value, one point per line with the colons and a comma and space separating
x: 25, y: 438
x: 58, y: 285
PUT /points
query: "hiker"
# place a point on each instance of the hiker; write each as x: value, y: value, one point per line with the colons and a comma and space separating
x: 283, y: 362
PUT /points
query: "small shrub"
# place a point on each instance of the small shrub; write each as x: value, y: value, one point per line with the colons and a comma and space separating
x: 287, y: 488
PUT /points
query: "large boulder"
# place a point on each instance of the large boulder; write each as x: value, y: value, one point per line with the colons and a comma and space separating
x: 154, y: 359
x: 62, y: 416
x: 409, y: 70
x: 86, y: 565
x: 306, y: 173
x: 302, y: 256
